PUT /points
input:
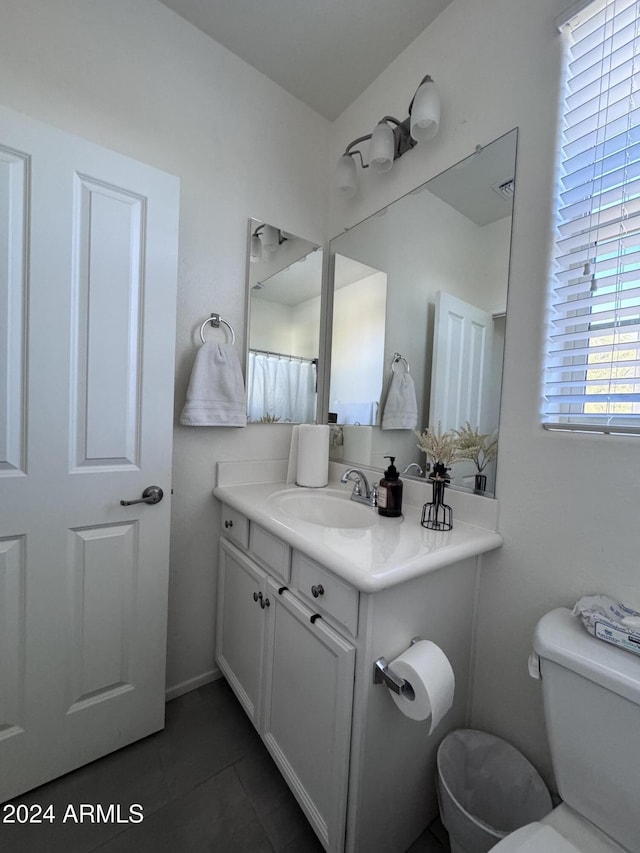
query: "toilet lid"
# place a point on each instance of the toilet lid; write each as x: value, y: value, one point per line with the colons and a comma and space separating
x: 533, y: 838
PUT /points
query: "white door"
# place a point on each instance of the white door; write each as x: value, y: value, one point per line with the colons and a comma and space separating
x: 88, y: 243
x: 462, y: 347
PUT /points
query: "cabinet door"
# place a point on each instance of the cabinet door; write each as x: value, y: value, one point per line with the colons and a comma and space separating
x: 240, y: 626
x: 307, y: 713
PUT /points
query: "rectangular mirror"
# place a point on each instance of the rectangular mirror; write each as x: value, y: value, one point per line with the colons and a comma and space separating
x: 443, y: 250
x: 285, y: 287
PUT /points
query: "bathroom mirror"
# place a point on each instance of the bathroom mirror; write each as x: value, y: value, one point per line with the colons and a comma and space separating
x: 443, y: 250
x: 284, y: 281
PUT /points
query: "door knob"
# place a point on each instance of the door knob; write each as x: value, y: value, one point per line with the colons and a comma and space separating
x: 151, y: 495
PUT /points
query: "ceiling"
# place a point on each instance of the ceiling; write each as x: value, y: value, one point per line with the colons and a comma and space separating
x: 324, y: 52
x: 481, y: 186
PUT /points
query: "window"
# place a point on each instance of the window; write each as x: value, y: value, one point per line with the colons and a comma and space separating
x: 592, y: 377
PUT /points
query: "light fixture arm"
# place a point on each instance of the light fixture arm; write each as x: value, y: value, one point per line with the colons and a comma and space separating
x: 406, y: 134
x: 402, y: 139
x: 348, y: 152
x: 281, y: 238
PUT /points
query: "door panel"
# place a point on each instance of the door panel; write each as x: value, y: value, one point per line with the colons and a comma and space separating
x: 463, y: 338
x: 12, y: 626
x: 13, y: 288
x: 88, y: 253
x: 107, y: 343
x: 103, y: 604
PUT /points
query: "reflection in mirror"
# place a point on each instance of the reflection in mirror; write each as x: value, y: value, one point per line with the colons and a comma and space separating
x: 444, y: 249
x: 285, y: 284
x: 357, y: 342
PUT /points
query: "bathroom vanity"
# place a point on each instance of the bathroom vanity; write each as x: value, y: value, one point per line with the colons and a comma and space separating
x: 312, y: 590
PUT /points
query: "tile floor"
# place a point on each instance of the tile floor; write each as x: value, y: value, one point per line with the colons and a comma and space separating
x: 206, y: 784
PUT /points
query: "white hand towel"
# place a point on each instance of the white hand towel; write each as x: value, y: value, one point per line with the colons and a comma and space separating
x: 401, y: 408
x: 216, y: 395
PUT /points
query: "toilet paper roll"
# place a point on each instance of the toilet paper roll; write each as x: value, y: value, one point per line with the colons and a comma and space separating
x: 427, y: 669
x: 313, y: 455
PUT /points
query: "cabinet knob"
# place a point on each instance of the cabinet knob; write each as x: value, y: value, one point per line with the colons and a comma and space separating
x: 228, y: 524
x: 317, y: 590
x: 257, y: 596
x: 264, y: 602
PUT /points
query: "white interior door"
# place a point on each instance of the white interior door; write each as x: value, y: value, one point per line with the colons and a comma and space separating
x: 88, y: 249
x: 462, y: 348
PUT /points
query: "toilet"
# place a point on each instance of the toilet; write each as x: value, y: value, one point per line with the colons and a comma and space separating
x: 591, y: 693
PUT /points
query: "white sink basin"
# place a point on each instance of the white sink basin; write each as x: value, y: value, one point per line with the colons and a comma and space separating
x: 324, y: 507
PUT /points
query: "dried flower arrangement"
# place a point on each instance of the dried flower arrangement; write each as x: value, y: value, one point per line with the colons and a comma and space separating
x: 266, y: 419
x: 440, y: 447
x: 480, y: 448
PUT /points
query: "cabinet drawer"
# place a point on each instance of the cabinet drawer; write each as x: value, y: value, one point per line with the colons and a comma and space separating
x: 271, y: 552
x: 235, y: 527
x: 326, y: 593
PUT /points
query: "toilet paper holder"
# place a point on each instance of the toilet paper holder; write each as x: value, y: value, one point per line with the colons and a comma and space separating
x: 382, y: 674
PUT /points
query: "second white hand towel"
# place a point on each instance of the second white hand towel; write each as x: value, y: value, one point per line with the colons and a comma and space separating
x: 401, y: 408
x: 313, y: 455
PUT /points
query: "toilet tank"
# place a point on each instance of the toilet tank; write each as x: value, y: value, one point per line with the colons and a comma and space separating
x: 591, y: 693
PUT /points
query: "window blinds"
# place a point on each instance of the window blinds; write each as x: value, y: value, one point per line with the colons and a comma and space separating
x: 592, y: 377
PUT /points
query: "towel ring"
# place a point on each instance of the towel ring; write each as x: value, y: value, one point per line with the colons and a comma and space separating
x: 396, y: 358
x: 215, y: 320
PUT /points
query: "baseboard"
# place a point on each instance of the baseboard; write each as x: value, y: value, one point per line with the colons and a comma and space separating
x: 192, y: 684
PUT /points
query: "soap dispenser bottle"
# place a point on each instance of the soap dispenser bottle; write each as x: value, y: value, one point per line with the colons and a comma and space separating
x: 390, y: 491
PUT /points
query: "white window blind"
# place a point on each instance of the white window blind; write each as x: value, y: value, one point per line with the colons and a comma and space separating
x: 592, y: 377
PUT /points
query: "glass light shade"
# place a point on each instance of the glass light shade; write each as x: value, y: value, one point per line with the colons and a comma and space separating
x: 256, y: 249
x: 270, y: 238
x: 425, y: 112
x: 346, y: 176
x: 381, y: 148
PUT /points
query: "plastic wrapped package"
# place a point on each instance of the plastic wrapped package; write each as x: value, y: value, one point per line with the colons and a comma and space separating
x: 610, y: 621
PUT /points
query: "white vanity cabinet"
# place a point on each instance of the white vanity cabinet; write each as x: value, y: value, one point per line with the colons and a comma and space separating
x: 297, y: 642
x: 292, y: 673
x: 242, y: 587
x: 308, y: 695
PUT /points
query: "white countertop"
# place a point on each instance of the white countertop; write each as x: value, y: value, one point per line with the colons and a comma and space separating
x: 390, y: 552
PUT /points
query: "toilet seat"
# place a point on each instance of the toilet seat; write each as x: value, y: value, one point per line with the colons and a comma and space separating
x: 533, y: 838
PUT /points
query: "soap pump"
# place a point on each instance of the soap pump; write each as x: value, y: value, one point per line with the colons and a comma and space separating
x: 390, y: 491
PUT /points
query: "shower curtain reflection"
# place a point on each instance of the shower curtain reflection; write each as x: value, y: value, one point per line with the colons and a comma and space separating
x: 281, y: 384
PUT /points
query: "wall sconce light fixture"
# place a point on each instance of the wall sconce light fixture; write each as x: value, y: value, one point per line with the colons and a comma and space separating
x: 391, y: 138
x: 265, y: 238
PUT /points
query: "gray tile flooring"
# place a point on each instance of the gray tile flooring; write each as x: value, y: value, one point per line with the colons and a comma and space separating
x: 206, y: 784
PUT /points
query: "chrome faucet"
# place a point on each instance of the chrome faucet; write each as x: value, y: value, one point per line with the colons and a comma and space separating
x: 370, y: 494
x: 419, y: 471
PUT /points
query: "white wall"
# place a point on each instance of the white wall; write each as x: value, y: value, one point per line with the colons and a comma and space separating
x: 357, y: 340
x: 270, y: 326
x: 305, y: 328
x: 137, y: 78
x: 569, y: 503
